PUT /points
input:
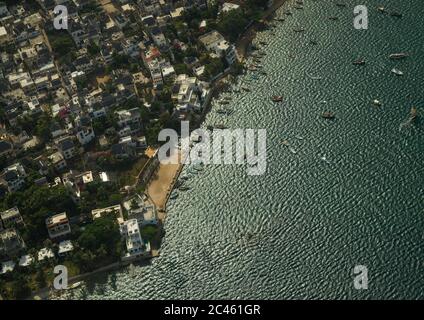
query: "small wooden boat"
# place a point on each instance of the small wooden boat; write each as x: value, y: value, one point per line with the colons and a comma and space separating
x: 333, y: 18
x: 328, y: 115
x: 299, y: 29
x: 396, y: 14
x: 359, y: 62
x: 247, y: 89
x: 220, y: 126
x: 340, y: 4
x: 413, y: 114
x: 277, y: 98
x: 313, y: 42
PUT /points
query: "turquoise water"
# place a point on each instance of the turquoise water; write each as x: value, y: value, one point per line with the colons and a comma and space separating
x: 298, y: 230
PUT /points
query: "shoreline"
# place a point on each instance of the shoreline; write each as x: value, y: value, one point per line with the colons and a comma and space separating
x: 249, y: 34
x: 242, y: 45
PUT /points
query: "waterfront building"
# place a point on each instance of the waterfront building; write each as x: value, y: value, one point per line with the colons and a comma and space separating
x: 136, y: 247
x: 215, y: 42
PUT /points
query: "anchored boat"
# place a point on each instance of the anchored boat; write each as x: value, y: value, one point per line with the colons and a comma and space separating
x: 277, y: 98
x: 359, y: 62
x: 397, y: 72
x: 398, y: 56
x: 328, y: 115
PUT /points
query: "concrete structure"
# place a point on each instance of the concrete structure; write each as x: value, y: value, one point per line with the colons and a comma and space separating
x: 58, y: 226
x: 215, y: 42
x: 136, y: 247
x: 11, y: 243
x: 11, y: 217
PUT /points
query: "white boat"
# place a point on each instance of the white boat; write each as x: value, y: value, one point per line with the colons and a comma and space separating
x: 324, y: 158
x: 397, y: 72
x: 376, y: 102
x: 398, y: 56
x: 292, y: 150
x: 314, y: 77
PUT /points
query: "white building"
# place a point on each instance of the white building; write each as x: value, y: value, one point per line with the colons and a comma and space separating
x: 11, y: 217
x: 215, y: 42
x: 65, y: 247
x: 14, y: 177
x: 58, y: 225
x: 45, y: 254
x: 85, y: 135
x: 136, y: 247
x: 188, y: 92
x: 141, y: 210
x: 117, y: 209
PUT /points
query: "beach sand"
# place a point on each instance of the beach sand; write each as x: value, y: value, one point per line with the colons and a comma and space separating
x: 161, y: 184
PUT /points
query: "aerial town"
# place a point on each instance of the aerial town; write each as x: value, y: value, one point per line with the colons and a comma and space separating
x: 80, y: 113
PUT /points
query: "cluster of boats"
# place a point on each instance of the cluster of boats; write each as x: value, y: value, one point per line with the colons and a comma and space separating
x: 393, y: 56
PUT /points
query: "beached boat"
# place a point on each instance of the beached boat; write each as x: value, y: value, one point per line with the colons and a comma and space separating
x: 376, y: 102
x: 398, y: 56
x: 397, y: 72
x: 328, y: 115
x: 75, y: 285
x: 359, y: 62
x: 277, y: 98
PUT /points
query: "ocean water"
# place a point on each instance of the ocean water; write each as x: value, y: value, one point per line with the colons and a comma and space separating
x: 297, y: 231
